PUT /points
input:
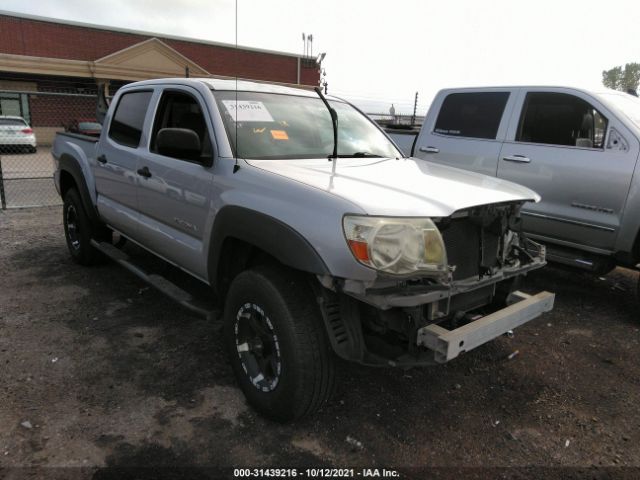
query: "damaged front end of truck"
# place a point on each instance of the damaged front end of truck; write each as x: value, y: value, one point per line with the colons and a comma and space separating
x: 455, y: 300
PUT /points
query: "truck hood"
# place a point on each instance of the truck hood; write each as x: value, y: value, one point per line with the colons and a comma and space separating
x: 399, y: 187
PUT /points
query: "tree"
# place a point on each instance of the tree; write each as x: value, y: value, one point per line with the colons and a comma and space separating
x: 622, y: 78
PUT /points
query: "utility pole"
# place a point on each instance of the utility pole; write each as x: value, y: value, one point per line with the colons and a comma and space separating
x: 415, y: 107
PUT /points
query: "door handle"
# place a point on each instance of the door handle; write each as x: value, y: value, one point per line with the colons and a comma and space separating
x: 144, y: 172
x: 102, y: 159
x: 429, y: 149
x: 517, y: 158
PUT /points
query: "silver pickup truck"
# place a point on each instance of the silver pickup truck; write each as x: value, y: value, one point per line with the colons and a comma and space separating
x: 315, y: 234
x: 577, y: 148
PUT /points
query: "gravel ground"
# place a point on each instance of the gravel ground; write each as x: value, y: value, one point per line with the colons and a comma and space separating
x: 98, y: 372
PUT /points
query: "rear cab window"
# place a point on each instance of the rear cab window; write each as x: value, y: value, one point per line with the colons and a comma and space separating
x: 405, y: 139
x: 472, y: 114
x: 128, y: 119
x: 552, y: 118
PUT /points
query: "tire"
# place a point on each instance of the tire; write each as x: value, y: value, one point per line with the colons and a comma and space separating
x: 78, y: 230
x: 271, y: 310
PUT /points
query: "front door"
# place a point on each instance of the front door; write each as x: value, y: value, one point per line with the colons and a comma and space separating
x: 562, y: 146
x: 173, y: 195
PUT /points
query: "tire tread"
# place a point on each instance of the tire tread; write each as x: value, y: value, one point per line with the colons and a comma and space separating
x: 312, y: 344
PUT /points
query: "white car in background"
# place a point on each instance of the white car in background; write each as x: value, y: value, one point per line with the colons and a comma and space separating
x: 16, y: 135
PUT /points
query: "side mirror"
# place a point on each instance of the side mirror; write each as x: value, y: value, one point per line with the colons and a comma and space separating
x: 179, y: 143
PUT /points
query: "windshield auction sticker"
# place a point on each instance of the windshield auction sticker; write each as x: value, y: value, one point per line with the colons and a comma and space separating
x: 247, y: 111
x: 279, y: 135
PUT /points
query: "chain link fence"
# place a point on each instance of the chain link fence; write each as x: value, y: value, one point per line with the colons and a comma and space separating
x: 28, y: 124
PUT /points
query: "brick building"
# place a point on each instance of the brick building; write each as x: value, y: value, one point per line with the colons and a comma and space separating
x: 42, y: 55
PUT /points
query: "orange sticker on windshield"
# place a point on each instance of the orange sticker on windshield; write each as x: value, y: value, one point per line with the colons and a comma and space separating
x: 279, y: 135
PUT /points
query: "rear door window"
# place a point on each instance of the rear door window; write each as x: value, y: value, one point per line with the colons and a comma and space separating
x: 561, y: 119
x: 126, y: 126
x: 475, y: 115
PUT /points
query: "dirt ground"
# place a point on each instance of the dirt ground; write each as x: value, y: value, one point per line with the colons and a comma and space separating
x: 97, y: 371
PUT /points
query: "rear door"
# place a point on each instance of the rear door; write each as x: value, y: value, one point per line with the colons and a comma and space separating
x: 465, y: 128
x: 116, y: 163
x: 562, y: 146
x: 173, y: 193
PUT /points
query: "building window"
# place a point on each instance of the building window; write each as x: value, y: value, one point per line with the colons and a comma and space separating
x: 15, y: 105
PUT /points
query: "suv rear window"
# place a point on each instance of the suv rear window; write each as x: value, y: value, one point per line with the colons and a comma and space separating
x: 475, y: 115
x: 126, y: 126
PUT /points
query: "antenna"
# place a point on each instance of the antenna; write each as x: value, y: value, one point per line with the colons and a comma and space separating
x: 415, y: 107
x: 236, y: 167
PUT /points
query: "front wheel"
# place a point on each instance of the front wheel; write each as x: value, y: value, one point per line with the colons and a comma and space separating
x: 277, y: 346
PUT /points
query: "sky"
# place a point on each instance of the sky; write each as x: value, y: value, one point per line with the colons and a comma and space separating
x: 379, y: 53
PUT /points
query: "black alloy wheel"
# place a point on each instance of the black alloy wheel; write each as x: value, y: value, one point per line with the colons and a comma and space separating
x: 258, y: 347
x: 277, y: 343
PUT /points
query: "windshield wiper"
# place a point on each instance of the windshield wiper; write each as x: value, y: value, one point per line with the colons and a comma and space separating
x: 360, y: 155
x: 334, y: 122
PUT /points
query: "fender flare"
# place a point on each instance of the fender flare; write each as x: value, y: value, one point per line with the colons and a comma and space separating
x: 68, y: 163
x: 265, y: 232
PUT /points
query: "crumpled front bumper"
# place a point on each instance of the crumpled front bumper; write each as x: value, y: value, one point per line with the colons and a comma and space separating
x: 414, y: 295
x: 448, y: 344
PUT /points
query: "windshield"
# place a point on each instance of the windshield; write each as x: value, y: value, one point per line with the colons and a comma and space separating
x: 627, y: 104
x: 275, y: 126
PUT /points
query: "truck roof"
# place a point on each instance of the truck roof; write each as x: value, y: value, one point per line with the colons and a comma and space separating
x: 231, y: 85
x: 596, y: 91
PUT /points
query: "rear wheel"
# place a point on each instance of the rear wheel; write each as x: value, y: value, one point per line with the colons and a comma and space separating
x: 276, y: 343
x: 78, y: 230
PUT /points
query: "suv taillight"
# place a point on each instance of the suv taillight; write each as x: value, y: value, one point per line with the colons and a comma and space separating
x: 27, y: 130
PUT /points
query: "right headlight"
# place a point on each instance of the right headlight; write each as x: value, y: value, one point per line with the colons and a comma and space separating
x: 399, y: 246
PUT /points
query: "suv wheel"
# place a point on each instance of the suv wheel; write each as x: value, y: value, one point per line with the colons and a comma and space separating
x: 78, y: 230
x: 276, y: 343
